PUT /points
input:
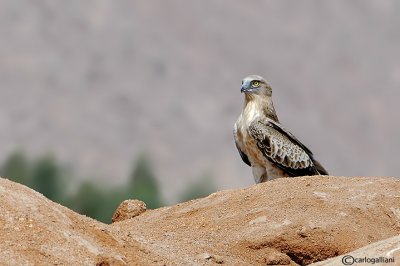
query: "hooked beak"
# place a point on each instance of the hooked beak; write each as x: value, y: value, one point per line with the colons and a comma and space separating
x: 244, y: 88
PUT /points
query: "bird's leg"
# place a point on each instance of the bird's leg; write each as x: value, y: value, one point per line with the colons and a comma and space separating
x: 259, y: 174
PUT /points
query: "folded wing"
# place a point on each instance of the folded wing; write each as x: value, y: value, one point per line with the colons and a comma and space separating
x: 285, y: 150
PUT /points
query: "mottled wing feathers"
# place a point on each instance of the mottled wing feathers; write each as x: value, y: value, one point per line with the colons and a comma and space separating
x: 285, y: 132
x: 282, y: 148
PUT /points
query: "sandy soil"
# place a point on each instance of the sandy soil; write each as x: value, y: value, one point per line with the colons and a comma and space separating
x: 282, y: 222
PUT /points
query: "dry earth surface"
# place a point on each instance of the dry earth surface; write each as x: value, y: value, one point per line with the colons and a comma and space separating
x: 283, y: 222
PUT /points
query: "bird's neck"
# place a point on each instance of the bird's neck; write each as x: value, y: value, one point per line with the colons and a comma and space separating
x: 255, y: 106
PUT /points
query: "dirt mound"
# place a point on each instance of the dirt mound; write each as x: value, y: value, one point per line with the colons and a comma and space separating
x: 35, y: 230
x: 284, y: 222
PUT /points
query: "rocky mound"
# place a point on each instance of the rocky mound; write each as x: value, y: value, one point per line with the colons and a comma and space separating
x: 282, y: 222
x: 385, y: 252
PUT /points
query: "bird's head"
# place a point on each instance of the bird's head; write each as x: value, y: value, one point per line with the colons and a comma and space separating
x: 254, y: 86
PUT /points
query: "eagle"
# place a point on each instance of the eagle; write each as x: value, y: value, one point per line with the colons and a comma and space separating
x: 262, y: 142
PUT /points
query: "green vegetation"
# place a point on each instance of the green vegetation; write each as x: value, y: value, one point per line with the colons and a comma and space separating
x: 47, y: 176
x: 143, y: 184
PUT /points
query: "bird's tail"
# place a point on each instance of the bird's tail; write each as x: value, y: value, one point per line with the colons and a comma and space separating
x: 320, y: 169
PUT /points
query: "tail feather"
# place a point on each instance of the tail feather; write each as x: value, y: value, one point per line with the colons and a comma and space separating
x: 320, y: 169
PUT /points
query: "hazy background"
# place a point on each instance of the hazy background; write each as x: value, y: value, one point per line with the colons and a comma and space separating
x: 99, y: 83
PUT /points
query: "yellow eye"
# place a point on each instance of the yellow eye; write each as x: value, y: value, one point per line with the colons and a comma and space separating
x: 255, y: 83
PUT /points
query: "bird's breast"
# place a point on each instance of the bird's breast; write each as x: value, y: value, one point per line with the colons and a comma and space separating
x: 250, y: 113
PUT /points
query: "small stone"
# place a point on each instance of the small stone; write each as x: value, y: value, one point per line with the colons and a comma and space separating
x: 206, y: 256
x: 216, y: 259
x: 258, y: 220
x: 129, y: 209
x: 302, y: 232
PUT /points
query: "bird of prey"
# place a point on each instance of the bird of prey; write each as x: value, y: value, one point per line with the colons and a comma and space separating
x: 262, y: 142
